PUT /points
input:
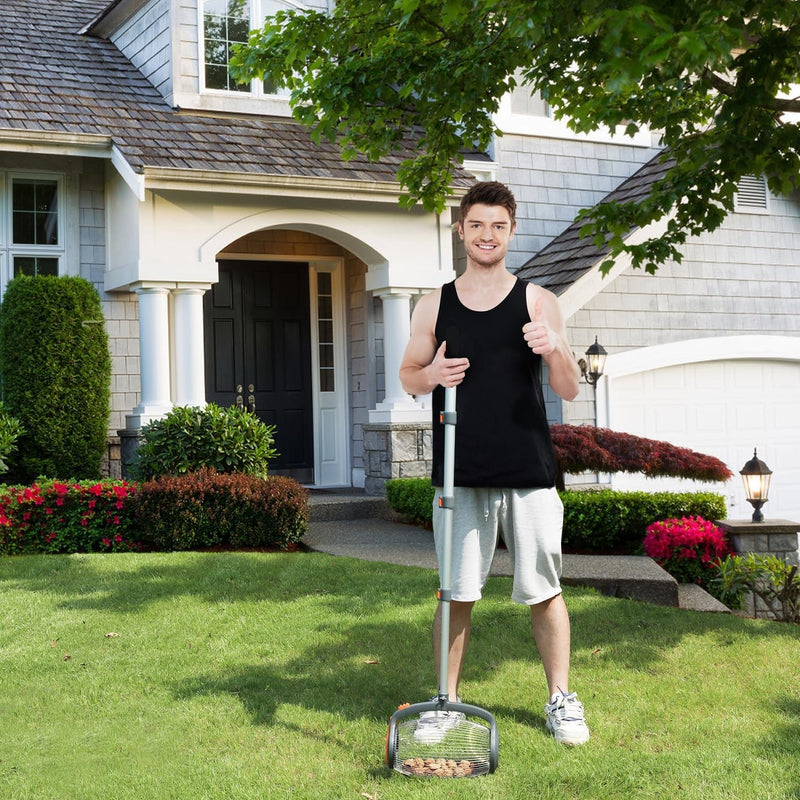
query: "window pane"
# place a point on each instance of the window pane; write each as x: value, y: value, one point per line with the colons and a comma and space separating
x: 324, y: 283
x: 24, y: 265
x: 326, y: 355
x: 35, y: 265
x: 24, y: 196
x: 224, y: 24
x: 325, y: 307
x: 325, y: 331
x: 24, y: 227
x: 35, y: 212
x: 326, y: 380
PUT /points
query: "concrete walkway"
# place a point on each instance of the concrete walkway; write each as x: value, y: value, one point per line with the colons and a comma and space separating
x: 357, y: 527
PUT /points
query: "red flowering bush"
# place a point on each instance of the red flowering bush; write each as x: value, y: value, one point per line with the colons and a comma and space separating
x: 60, y: 517
x: 690, y: 549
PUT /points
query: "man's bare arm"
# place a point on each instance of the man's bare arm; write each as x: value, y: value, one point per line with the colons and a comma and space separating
x: 546, y: 334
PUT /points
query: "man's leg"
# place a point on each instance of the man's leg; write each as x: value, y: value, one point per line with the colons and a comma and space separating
x: 551, y: 633
x: 460, y: 627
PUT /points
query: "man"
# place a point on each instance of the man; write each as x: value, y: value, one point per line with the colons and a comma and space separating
x: 505, y: 469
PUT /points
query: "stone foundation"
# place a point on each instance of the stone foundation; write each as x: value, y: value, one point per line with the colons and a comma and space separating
x: 395, y: 450
x: 778, y: 537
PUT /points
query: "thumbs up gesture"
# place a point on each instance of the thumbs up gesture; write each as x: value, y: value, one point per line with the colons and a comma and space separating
x: 541, y: 338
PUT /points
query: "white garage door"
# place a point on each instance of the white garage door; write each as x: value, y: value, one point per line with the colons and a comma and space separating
x: 724, y: 409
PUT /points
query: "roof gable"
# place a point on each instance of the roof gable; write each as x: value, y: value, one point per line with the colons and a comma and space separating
x: 568, y: 257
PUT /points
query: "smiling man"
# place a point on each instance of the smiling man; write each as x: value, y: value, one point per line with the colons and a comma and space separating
x: 505, y: 468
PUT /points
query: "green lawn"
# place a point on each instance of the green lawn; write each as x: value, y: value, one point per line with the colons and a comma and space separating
x: 255, y: 675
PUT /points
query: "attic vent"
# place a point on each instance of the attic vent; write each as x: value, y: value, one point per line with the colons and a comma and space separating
x: 751, y: 194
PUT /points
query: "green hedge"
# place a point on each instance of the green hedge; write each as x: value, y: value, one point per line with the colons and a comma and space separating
x: 594, y: 520
x: 56, y: 370
x: 209, y: 509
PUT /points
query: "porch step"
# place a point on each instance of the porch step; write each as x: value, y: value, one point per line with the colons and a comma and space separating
x: 329, y: 505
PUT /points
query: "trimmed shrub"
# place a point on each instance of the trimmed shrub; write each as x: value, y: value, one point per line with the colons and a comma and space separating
x: 208, y: 509
x: 413, y: 498
x: 10, y: 431
x: 190, y: 438
x: 609, y: 521
x: 586, y: 448
x: 55, y: 517
x: 56, y: 370
x: 690, y: 549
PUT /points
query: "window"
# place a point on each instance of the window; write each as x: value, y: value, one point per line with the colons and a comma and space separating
x: 227, y: 23
x: 35, y: 245
x: 325, y: 332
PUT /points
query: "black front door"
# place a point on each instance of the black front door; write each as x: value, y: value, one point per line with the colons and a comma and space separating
x: 258, y: 353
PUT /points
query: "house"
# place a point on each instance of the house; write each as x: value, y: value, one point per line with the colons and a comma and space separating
x: 240, y: 263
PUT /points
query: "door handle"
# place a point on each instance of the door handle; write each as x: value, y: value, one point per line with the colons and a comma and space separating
x: 251, y: 403
x: 239, y: 398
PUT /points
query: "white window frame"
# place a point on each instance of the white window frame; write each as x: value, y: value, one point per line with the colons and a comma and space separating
x: 9, y: 248
x: 257, y: 17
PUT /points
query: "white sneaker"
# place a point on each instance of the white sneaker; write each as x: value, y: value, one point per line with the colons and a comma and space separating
x: 565, y: 719
x: 433, y: 726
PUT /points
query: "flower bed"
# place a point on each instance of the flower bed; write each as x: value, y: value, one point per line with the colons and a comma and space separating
x: 67, y: 517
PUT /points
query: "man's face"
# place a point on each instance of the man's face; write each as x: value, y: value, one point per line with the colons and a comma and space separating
x: 486, y: 232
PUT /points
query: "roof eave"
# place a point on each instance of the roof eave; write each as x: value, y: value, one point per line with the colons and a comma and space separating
x: 174, y: 178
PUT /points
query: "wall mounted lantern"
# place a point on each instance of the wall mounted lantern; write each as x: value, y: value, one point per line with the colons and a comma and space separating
x: 756, y: 476
x: 593, y: 365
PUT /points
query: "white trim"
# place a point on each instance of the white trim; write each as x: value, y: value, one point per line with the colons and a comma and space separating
x: 592, y: 282
x: 200, y: 180
x: 133, y: 179
x: 548, y: 127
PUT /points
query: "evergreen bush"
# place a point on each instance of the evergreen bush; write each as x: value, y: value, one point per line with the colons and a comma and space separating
x: 207, y: 509
x: 412, y: 498
x: 189, y: 438
x: 56, y: 370
x: 10, y: 430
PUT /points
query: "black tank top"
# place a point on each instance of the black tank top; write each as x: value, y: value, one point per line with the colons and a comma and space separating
x: 502, y: 436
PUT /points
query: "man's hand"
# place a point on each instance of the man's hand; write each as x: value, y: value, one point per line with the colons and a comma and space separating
x: 448, y: 371
x: 541, y: 338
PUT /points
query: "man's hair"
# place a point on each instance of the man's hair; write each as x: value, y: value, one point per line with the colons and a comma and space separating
x: 489, y: 193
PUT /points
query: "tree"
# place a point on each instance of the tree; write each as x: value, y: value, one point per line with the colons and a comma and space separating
x: 714, y: 78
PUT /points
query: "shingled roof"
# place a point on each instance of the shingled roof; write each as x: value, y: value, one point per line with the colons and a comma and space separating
x: 53, y: 79
x: 568, y: 257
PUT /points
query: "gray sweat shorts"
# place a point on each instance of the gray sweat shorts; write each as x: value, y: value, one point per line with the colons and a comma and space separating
x: 529, y: 521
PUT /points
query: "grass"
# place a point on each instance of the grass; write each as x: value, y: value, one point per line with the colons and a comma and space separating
x: 258, y: 675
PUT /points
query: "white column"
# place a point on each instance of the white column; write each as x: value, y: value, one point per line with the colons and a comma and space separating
x: 190, y: 383
x: 397, y: 406
x: 153, y: 355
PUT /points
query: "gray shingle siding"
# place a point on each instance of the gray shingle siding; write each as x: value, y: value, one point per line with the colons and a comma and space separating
x: 553, y: 179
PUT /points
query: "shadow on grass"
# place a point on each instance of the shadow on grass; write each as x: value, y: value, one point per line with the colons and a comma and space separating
x: 363, y: 612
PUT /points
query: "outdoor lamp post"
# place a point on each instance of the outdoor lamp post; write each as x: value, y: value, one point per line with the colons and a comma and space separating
x: 756, y: 475
x: 592, y: 367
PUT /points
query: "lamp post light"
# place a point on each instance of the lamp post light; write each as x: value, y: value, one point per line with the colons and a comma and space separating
x: 756, y: 476
x: 592, y: 367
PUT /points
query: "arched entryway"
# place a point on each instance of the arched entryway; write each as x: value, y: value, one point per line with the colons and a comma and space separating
x: 276, y: 341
